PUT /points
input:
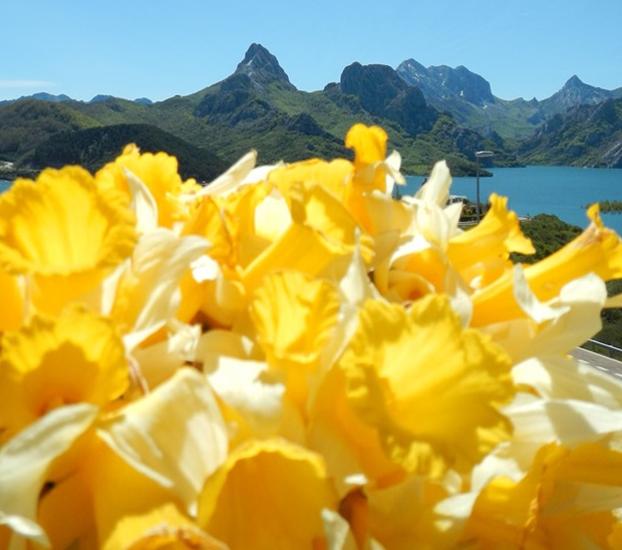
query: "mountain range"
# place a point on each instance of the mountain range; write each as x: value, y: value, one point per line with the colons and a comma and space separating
x: 469, y: 98
x: 429, y: 113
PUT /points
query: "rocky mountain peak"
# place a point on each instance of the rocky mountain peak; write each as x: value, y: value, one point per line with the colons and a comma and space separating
x: 574, y: 92
x: 413, y: 67
x: 262, y: 67
x: 574, y: 82
x: 442, y: 83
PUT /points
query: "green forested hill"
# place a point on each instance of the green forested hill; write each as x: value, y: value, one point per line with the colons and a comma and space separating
x: 93, y: 147
x: 26, y: 123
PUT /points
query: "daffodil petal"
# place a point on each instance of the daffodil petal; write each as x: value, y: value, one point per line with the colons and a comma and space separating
x: 568, y: 421
x: 148, y: 294
x: 175, y: 435
x: 25, y: 460
x: 436, y: 189
x: 337, y: 531
x: 555, y: 377
x: 160, y: 528
x: 289, y: 481
x: 391, y: 384
x: 232, y: 178
x: 142, y: 203
x: 240, y: 385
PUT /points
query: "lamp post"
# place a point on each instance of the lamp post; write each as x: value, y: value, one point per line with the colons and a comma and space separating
x: 480, y: 155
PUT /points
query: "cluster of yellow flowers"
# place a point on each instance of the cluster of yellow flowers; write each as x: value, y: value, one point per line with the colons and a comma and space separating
x: 289, y: 358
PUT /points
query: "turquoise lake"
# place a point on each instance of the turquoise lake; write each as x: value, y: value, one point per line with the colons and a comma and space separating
x: 558, y: 190
x: 533, y: 190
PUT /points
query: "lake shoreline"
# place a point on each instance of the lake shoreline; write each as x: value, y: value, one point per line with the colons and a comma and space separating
x: 544, y: 189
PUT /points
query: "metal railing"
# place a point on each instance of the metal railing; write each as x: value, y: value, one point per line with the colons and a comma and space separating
x: 610, y: 351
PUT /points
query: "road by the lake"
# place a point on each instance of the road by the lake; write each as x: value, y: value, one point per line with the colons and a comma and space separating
x: 605, y: 364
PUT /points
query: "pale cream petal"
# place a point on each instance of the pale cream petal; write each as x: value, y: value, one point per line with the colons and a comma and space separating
x: 101, y: 299
x: 529, y: 303
x: 452, y: 213
x: 556, y: 377
x: 499, y: 463
x: 232, y: 178
x: 242, y: 385
x: 260, y: 173
x: 142, y: 203
x: 148, y: 296
x: 587, y: 498
x: 24, y: 462
x: 457, y: 506
x: 584, y: 298
x: 204, y: 269
x: 434, y: 225
x: 392, y: 164
x: 159, y: 361
x: 272, y: 216
x: 569, y: 422
x: 554, y: 327
x: 337, y: 531
x: 174, y: 435
x: 355, y: 288
x: 217, y: 343
x: 436, y: 189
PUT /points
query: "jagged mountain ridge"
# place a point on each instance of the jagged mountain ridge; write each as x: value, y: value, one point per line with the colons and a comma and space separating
x: 258, y: 107
x: 586, y: 135
x: 443, y: 82
x: 469, y: 98
x: 466, y: 95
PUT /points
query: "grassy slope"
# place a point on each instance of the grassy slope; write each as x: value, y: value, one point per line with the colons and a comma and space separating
x: 509, y: 118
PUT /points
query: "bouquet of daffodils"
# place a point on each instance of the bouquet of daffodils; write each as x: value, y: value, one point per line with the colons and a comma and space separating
x: 288, y: 358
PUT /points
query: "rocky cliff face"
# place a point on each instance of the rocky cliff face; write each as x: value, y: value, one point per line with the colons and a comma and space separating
x: 445, y: 82
x: 383, y: 93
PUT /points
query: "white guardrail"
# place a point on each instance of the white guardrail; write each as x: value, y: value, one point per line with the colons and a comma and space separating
x: 607, y: 347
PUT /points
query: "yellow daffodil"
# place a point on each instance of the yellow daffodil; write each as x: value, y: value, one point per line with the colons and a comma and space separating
x: 597, y: 250
x: 161, y: 528
x: 269, y: 494
x: 159, y: 173
x: 175, y: 435
x: 430, y: 389
x: 400, y: 516
x: 290, y: 358
x: 332, y: 176
x: 25, y: 462
x: 76, y: 358
x: 64, y: 231
x: 481, y: 254
x: 148, y: 292
x: 369, y: 144
x: 564, y: 501
x: 294, y: 316
x: 12, y: 311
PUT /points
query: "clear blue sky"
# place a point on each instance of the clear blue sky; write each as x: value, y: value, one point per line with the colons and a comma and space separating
x: 134, y: 48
